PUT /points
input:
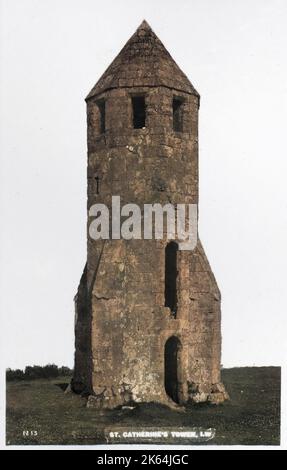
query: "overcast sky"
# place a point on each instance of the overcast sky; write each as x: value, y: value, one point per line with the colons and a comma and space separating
x: 52, y: 53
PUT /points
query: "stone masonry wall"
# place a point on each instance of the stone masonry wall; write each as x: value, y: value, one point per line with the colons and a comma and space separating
x: 122, y: 324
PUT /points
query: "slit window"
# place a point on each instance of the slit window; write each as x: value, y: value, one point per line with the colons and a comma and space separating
x: 102, y: 116
x: 97, y: 181
x: 171, y: 277
x: 139, y: 111
x: 177, y: 111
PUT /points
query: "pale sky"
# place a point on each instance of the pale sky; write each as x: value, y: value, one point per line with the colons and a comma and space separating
x: 52, y: 53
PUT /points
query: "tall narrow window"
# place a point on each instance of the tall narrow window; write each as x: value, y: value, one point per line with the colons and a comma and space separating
x: 177, y: 110
x: 138, y: 103
x: 102, y: 116
x: 172, y: 368
x: 171, y: 277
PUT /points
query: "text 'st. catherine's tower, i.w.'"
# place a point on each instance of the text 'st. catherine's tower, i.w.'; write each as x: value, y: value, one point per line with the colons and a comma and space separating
x: 147, y: 314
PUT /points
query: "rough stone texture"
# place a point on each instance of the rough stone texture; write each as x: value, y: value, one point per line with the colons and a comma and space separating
x: 122, y: 324
x: 143, y: 61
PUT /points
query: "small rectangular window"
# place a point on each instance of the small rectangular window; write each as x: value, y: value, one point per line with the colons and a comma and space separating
x: 102, y: 118
x: 138, y: 103
x: 177, y: 110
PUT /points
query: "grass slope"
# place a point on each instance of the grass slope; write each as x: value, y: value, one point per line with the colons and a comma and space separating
x: 38, y: 412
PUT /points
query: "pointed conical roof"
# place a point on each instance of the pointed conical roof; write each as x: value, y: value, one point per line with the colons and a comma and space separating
x: 143, y: 61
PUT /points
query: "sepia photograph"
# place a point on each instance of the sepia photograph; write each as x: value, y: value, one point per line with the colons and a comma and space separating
x: 144, y: 222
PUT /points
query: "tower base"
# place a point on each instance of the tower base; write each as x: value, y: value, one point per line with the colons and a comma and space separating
x: 214, y: 394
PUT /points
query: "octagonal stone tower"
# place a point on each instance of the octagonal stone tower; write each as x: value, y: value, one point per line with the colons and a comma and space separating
x: 147, y: 314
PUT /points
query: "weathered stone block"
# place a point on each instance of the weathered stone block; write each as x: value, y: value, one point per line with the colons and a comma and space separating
x: 146, y: 329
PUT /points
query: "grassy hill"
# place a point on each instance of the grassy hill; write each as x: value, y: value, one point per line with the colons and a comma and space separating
x: 39, y: 412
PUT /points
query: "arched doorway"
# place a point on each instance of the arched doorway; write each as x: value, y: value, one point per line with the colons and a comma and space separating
x: 172, y: 354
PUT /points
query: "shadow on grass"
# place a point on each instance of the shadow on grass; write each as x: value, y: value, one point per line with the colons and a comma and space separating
x: 62, y: 386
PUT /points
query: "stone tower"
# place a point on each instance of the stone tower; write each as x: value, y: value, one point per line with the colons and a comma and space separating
x: 147, y: 314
